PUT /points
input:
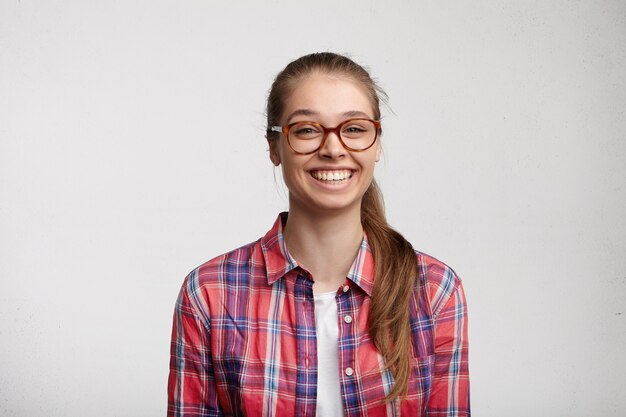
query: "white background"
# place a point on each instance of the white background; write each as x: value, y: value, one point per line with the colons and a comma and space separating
x: 132, y: 150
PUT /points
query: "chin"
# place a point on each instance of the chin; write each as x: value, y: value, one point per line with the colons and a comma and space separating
x: 334, y: 205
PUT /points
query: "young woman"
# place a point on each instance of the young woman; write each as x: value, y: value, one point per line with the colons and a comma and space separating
x: 332, y: 312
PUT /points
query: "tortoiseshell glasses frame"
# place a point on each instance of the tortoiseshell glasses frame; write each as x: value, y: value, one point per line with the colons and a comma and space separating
x: 312, y: 131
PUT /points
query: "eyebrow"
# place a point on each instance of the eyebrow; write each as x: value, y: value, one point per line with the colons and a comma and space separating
x: 355, y: 113
x: 309, y: 112
x: 302, y: 112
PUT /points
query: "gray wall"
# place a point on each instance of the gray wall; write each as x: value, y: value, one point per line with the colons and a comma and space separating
x: 132, y: 150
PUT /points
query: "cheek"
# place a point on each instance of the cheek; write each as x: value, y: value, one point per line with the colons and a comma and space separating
x: 368, y: 162
x: 291, y: 172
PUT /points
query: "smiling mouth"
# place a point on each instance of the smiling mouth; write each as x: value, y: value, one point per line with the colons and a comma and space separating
x: 332, y: 177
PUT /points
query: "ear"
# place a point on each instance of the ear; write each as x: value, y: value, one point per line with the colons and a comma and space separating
x: 379, y: 149
x: 274, y: 154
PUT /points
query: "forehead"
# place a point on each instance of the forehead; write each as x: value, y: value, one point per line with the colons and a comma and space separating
x: 329, y: 95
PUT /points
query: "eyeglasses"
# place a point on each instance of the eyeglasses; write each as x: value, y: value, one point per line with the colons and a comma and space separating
x: 356, y: 135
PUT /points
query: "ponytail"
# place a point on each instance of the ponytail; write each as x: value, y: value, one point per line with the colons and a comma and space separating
x: 396, y: 272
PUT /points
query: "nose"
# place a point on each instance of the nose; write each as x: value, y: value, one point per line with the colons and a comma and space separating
x: 332, y: 147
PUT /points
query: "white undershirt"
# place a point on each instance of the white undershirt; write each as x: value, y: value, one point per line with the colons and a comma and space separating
x: 329, y: 403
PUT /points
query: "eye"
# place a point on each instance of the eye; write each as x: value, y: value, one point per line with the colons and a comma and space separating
x: 305, y: 131
x: 356, y: 129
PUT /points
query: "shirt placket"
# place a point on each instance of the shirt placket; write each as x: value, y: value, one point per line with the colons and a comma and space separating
x: 348, y: 344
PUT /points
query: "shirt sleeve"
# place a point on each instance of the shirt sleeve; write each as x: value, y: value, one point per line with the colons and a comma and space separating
x: 450, y: 383
x: 191, y: 383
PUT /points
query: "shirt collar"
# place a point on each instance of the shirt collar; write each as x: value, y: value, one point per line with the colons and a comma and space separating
x: 278, y: 260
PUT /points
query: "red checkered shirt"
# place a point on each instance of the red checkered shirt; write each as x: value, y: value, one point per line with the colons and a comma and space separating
x: 244, y: 343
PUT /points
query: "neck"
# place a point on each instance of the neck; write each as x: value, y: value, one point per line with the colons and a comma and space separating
x: 324, y: 244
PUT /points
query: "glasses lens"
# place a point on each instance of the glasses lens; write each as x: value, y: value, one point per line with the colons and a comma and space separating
x: 305, y: 137
x: 358, y: 134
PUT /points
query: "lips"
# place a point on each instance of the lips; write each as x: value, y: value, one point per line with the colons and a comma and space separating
x: 332, y: 176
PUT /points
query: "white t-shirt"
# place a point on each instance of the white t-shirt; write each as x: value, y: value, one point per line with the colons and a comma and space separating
x: 329, y: 402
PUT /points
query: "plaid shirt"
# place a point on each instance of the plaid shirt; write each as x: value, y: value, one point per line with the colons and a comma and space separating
x: 243, y: 340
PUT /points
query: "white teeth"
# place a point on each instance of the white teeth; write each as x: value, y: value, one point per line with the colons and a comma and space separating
x: 332, y: 175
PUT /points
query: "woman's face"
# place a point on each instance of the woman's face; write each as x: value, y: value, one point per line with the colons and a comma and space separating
x: 328, y: 100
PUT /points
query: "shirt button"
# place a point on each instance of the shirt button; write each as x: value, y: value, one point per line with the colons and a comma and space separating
x: 348, y: 319
x: 346, y: 288
x: 349, y: 371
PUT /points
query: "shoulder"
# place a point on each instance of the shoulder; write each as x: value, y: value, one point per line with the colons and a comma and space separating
x: 438, y: 280
x: 230, y: 263
x: 228, y: 266
x: 227, y: 272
